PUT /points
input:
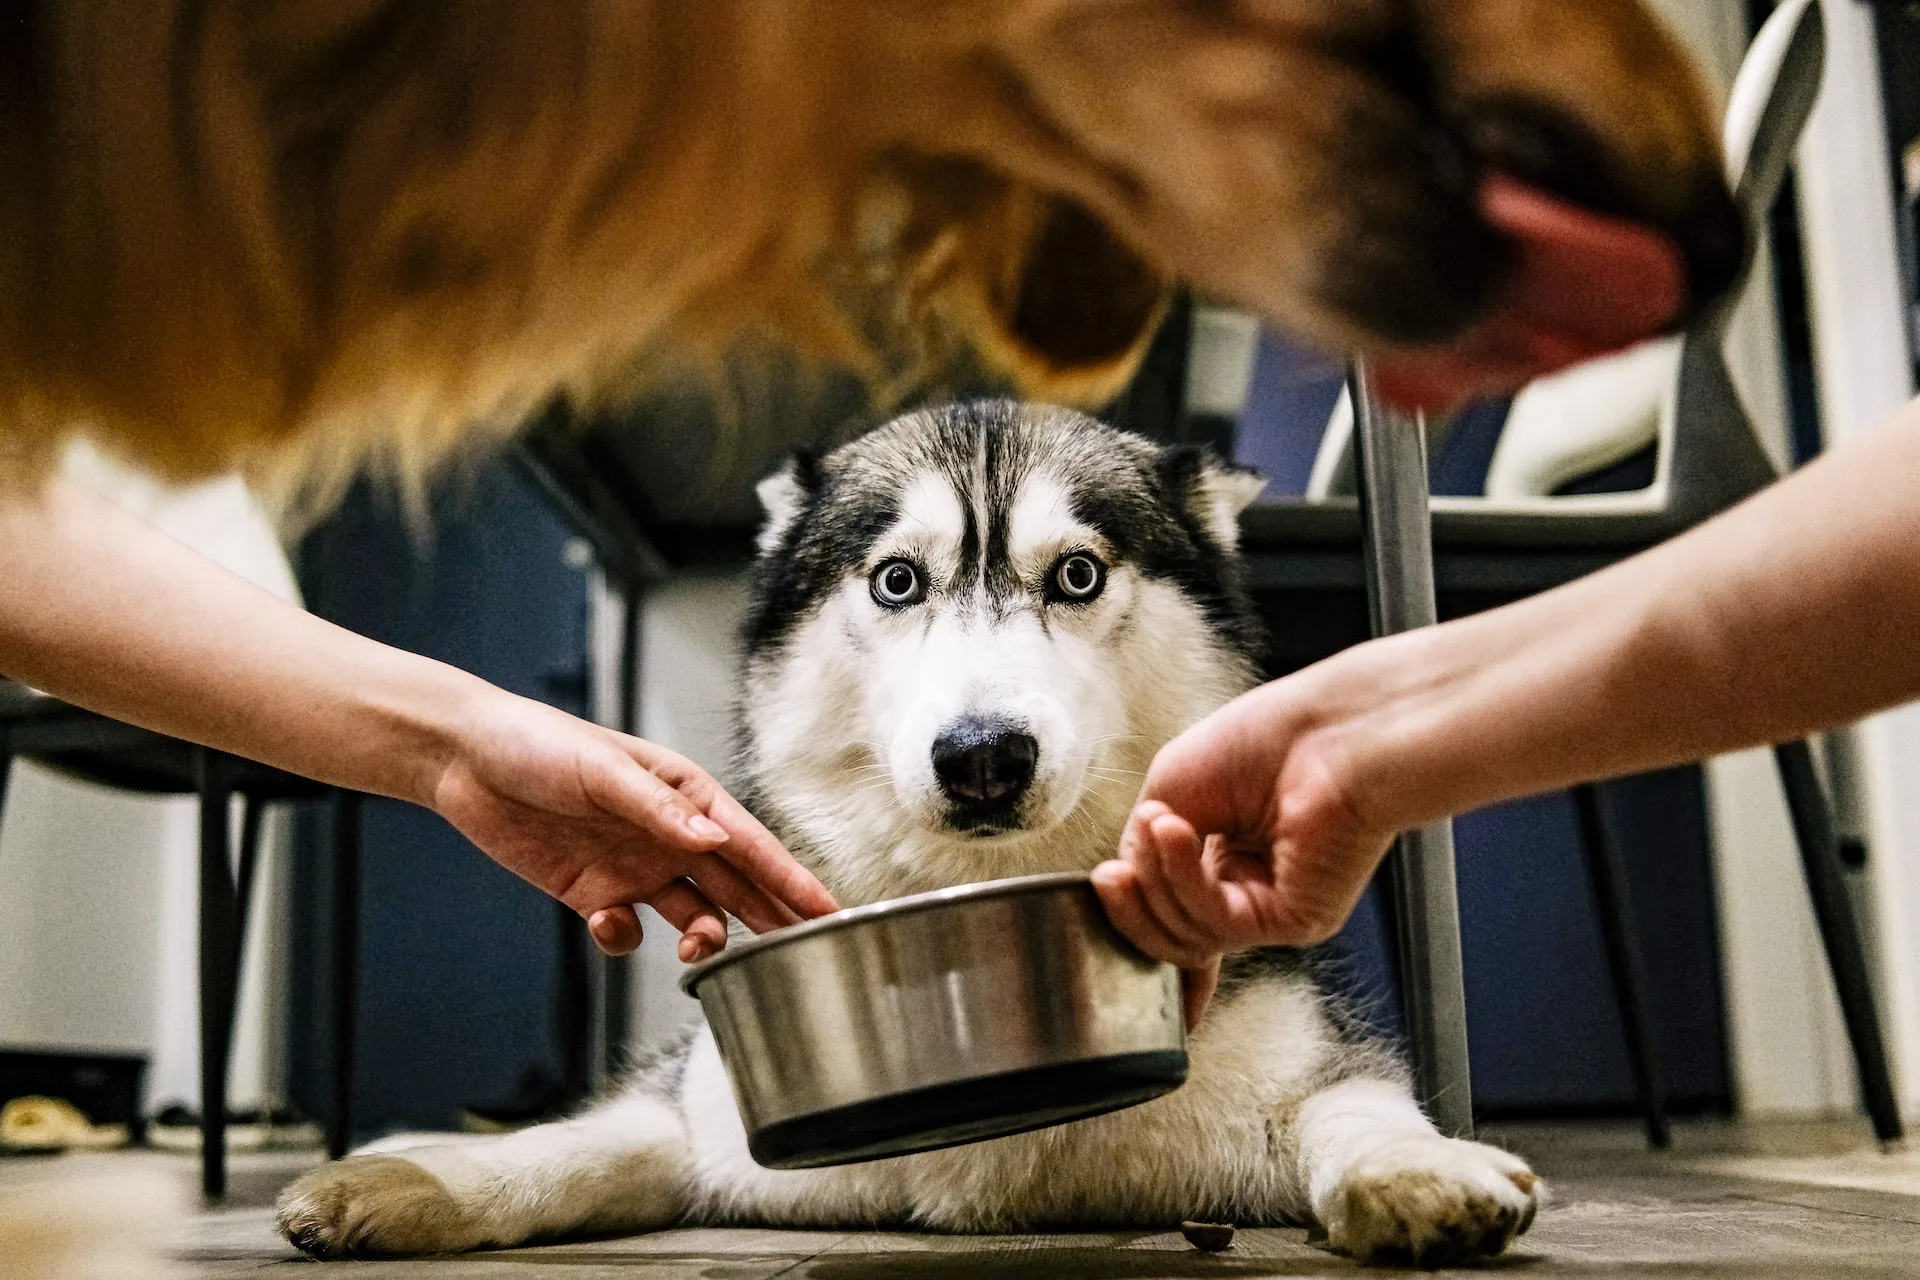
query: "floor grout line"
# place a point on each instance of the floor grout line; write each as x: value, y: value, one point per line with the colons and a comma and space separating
x: 1830, y: 1208
x: 801, y: 1262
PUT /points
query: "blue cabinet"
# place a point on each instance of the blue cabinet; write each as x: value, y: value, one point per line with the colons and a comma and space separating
x: 469, y: 977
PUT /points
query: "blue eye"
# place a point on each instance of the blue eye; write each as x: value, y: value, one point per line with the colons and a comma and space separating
x: 1077, y: 578
x: 897, y: 584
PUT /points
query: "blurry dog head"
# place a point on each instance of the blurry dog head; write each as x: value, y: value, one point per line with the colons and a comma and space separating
x: 1324, y: 162
x: 973, y: 627
x: 233, y: 230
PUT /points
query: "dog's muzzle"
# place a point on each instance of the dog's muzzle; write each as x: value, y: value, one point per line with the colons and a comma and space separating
x: 985, y: 767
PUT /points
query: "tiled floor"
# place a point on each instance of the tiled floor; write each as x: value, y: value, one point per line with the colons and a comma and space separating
x: 1806, y: 1202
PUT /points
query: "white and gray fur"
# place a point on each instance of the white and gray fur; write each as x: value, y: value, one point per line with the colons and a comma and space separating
x: 993, y: 720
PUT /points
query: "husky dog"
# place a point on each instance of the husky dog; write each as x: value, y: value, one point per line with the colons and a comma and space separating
x: 971, y: 630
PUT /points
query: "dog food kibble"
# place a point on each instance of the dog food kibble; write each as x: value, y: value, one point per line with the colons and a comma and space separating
x: 1211, y: 1236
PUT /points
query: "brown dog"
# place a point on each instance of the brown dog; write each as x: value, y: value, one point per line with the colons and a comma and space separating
x: 247, y: 231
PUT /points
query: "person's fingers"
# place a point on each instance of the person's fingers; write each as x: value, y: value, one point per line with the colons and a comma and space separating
x: 1119, y: 890
x: 1168, y: 839
x: 765, y: 861
x: 703, y: 930
x: 1196, y: 990
x: 1219, y: 773
x: 623, y: 786
x: 1123, y: 891
x: 1138, y: 825
x: 750, y: 847
x: 615, y: 930
x: 739, y: 896
x: 1194, y: 892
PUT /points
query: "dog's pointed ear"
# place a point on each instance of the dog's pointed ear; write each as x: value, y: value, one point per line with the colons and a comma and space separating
x: 784, y: 496
x: 1215, y: 492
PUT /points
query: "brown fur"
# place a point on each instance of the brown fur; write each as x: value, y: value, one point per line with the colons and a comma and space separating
x: 278, y: 233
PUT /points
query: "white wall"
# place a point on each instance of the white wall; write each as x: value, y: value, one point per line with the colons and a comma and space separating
x: 686, y: 698
x: 80, y: 882
x: 1860, y: 352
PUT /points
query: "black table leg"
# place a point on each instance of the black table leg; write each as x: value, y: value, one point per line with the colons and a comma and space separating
x: 1846, y: 955
x: 1622, y: 941
x: 252, y: 812
x: 573, y: 1000
x: 346, y: 964
x: 219, y: 970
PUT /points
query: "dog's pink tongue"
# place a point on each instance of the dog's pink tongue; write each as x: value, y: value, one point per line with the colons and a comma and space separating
x: 1585, y: 284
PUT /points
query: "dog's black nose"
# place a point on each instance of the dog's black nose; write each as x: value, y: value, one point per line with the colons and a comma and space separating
x: 982, y: 762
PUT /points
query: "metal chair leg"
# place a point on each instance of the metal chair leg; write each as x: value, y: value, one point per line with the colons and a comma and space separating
x: 252, y: 811
x: 1839, y: 931
x: 346, y: 965
x: 219, y: 971
x: 1622, y: 941
x: 1397, y: 543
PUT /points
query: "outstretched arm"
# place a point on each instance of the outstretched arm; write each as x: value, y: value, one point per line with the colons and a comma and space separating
x: 108, y: 612
x: 1796, y: 611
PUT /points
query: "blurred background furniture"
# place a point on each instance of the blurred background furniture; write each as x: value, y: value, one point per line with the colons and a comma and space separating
x: 113, y: 754
x: 475, y: 988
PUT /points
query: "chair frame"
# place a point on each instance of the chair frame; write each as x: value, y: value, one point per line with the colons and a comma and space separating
x: 125, y: 757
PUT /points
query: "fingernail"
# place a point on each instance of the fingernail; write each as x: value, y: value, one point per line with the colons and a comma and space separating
x: 606, y: 933
x: 706, y: 828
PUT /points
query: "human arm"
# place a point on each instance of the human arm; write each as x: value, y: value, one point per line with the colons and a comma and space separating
x: 107, y: 612
x: 1796, y: 611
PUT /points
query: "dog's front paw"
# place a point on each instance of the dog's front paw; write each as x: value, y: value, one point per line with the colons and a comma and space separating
x: 1431, y: 1202
x: 373, y: 1207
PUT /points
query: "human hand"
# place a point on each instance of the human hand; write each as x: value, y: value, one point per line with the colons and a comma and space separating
x: 1246, y: 833
x: 601, y: 820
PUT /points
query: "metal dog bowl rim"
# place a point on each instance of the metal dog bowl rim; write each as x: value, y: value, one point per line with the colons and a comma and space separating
x: 887, y: 909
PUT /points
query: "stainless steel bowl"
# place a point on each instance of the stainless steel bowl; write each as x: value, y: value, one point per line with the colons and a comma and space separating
x: 942, y: 1018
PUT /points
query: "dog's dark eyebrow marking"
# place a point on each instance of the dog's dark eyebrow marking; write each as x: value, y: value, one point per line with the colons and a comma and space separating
x: 1003, y: 463
x: 958, y: 451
